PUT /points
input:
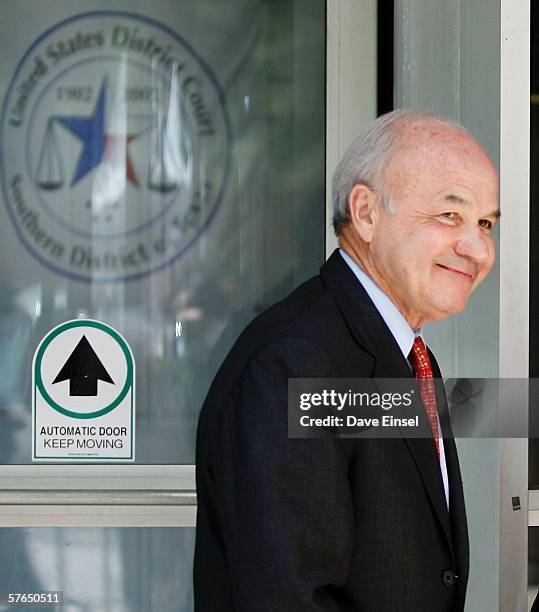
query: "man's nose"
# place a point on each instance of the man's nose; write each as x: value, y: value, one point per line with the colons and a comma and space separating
x: 475, y: 245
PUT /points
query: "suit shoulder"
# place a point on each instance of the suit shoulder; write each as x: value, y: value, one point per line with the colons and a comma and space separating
x: 292, y: 317
x: 295, y: 314
x: 288, y: 327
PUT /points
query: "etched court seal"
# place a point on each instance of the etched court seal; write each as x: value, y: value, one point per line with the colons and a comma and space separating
x: 115, y: 147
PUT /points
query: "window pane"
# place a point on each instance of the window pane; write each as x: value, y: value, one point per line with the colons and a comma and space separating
x: 160, y: 165
x: 118, y: 570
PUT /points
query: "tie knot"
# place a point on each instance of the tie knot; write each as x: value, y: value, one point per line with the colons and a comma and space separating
x: 420, y: 360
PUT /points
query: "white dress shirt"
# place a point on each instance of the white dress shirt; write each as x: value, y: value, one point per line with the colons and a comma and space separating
x: 402, y: 332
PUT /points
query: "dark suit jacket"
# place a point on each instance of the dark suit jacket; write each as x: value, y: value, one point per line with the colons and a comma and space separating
x: 305, y: 525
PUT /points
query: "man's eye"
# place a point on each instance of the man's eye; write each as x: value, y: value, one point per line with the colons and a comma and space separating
x: 450, y: 216
x: 485, y: 223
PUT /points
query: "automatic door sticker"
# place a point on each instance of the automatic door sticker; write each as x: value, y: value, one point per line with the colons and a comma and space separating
x: 83, y: 381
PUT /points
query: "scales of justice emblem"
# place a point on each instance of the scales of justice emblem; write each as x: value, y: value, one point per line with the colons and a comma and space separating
x: 124, y: 154
x: 170, y: 164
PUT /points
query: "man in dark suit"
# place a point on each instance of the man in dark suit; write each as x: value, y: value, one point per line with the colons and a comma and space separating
x: 370, y: 525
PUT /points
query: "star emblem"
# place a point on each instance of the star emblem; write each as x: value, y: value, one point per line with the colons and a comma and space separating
x: 91, y: 131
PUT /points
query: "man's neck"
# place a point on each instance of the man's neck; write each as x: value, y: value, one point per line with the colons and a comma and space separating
x: 360, y: 255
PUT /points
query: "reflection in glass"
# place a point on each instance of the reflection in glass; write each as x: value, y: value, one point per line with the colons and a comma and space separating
x: 109, y: 182
x: 144, y: 192
x: 112, y: 570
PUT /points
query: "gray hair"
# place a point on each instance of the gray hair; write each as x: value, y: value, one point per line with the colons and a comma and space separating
x: 364, y: 161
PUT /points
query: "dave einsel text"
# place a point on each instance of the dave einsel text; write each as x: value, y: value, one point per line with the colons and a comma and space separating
x: 352, y: 421
x: 43, y: 598
x: 335, y: 399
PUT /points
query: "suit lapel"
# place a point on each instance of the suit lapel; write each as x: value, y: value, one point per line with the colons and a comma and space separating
x: 459, y: 526
x: 371, y: 332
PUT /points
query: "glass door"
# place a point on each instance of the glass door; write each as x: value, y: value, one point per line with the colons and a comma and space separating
x: 163, y: 176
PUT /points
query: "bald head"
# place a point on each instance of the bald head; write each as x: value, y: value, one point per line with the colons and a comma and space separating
x: 428, y: 148
x: 376, y: 158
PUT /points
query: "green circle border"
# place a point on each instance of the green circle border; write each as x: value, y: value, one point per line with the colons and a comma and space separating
x: 83, y: 323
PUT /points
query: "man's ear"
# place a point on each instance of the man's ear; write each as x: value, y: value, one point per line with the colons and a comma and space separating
x: 363, y: 207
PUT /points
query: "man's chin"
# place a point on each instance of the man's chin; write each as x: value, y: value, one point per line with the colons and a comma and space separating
x: 451, y: 307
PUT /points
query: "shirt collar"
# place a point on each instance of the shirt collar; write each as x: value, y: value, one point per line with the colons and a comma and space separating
x: 392, y: 316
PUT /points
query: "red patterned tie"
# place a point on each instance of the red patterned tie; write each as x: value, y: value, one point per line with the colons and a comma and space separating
x: 420, y: 360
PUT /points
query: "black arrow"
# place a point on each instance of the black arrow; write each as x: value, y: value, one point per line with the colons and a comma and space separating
x: 83, y: 369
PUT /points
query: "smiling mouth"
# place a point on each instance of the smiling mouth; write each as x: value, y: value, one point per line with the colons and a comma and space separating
x: 460, y: 273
